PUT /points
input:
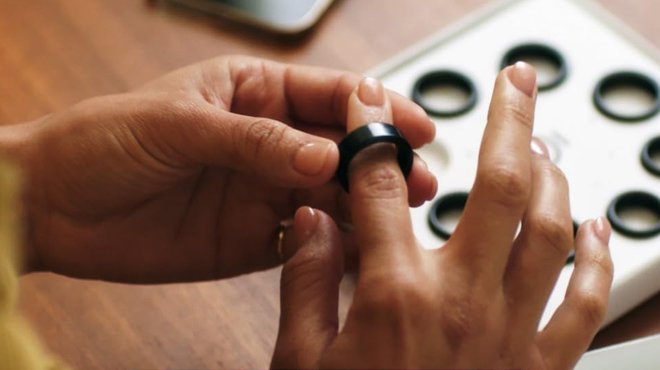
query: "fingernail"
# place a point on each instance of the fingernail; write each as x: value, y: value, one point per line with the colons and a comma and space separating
x: 434, y: 188
x: 523, y: 77
x: 603, y: 229
x: 423, y: 163
x: 305, y: 223
x: 371, y: 92
x: 539, y: 147
x: 312, y: 157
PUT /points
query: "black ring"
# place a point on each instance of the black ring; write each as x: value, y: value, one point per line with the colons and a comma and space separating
x: 521, y: 52
x: 373, y: 133
x: 445, y: 77
x: 447, y: 203
x: 651, y: 148
x: 634, y: 199
x: 629, y: 78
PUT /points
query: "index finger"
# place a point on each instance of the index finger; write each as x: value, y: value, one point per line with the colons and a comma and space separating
x: 379, y: 195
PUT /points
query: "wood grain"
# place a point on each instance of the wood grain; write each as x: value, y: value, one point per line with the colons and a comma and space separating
x: 54, y: 53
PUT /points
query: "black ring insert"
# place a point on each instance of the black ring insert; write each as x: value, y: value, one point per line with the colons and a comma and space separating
x: 373, y: 133
x: 626, y: 78
x: 634, y: 199
x: 447, y: 78
x: 535, y: 50
x: 651, y: 149
x: 447, y: 203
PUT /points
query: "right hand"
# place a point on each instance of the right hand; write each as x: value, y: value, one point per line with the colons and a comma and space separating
x: 188, y: 177
x: 476, y: 302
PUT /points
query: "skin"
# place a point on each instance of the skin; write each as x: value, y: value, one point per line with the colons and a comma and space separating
x: 188, y: 177
x: 475, y: 303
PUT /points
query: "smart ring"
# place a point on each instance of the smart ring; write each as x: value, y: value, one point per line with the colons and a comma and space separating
x: 445, y: 79
x: 651, y: 150
x: 543, y: 58
x: 373, y: 133
x: 634, y: 201
x: 621, y: 80
x: 444, y: 206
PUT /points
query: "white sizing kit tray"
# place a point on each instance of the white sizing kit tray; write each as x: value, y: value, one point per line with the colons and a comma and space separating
x: 600, y: 155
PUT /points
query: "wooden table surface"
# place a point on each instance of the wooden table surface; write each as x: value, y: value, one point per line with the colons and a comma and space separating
x: 53, y: 53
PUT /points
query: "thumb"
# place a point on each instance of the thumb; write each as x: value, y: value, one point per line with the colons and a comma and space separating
x: 271, y: 149
x: 309, y: 291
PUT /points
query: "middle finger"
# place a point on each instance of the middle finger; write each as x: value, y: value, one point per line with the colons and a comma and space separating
x: 541, y: 249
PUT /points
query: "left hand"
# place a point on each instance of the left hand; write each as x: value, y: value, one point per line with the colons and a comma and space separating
x: 188, y: 177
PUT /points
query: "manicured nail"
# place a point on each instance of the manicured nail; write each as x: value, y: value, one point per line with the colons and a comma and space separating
x: 539, y: 147
x: 603, y: 229
x: 434, y: 188
x: 312, y: 157
x: 305, y: 223
x: 523, y: 77
x: 371, y: 92
x: 423, y: 163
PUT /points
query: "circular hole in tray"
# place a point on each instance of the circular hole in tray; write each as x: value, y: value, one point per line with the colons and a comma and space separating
x: 651, y: 156
x: 627, y: 96
x: 445, y: 93
x: 635, y: 214
x: 571, y: 255
x: 550, y: 65
x: 446, y: 212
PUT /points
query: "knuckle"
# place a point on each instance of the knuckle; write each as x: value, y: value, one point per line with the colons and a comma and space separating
x: 380, y: 181
x: 555, y: 174
x: 506, y: 185
x: 602, y: 263
x: 260, y: 136
x: 591, y: 307
x: 514, y: 112
x: 305, y: 270
x: 552, y: 230
x: 406, y: 295
x: 468, y: 317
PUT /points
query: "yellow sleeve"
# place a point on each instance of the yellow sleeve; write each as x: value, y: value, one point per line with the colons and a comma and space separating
x: 19, y: 347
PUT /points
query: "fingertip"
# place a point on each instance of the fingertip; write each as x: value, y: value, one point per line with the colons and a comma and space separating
x: 312, y: 157
x: 523, y: 76
x: 368, y: 103
x: 422, y: 184
x: 598, y: 229
x: 592, y: 246
x: 413, y: 120
x: 540, y: 148
x: 603, y: 230
x: 305, y: 221
x: 300, y: 231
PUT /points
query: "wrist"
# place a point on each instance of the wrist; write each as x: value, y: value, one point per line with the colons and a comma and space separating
x: 17, y: 144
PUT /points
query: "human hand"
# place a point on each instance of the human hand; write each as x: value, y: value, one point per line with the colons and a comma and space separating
x: 188, y: 177
x: 476, y: 303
